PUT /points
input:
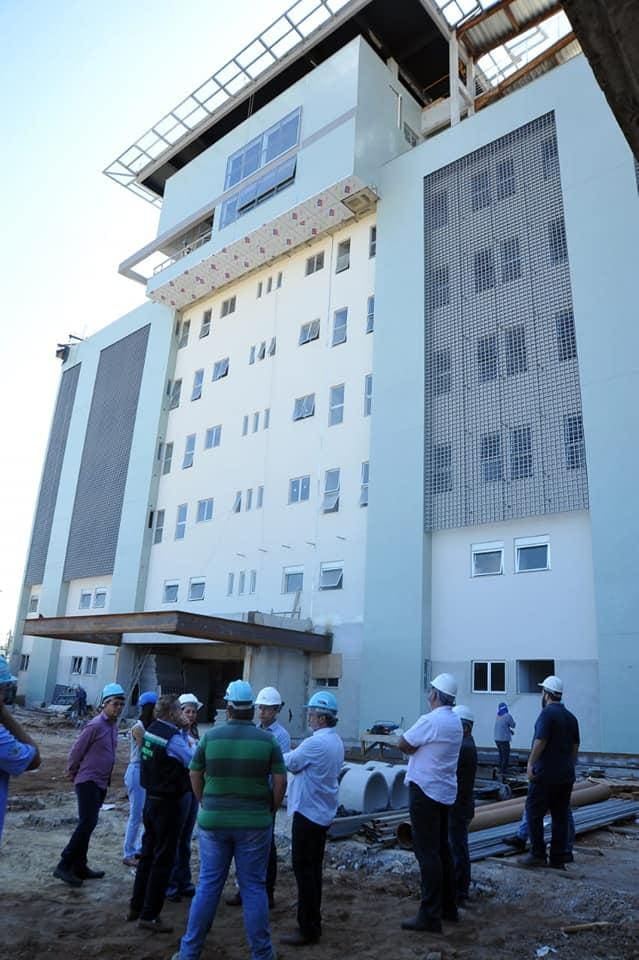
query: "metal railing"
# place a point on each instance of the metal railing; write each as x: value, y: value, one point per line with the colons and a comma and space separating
x: 183, y: 252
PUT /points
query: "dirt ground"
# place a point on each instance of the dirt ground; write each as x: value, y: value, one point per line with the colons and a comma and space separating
x: 514, y: 914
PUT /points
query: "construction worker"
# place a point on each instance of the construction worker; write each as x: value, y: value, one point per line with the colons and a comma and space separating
x: 90, y: 766
x: 432, y: 745
x: 135, y: 790
x: 312, y: 800
x: 504, y: 729
x: 463, y: 809
x: 18, y: 752
x: 180, y: 882
x: 269, y: 703
x: 239, y: 778
x: 164, y: 761
x: 551, y: 774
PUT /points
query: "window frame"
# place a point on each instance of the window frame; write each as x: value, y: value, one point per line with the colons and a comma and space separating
x: 170, y: 585
x: 309, y: 332
x: 490, y: 689
x: 523, y: 543
x: 189, y: 451
x: 185, y: 330
x: 339, y: 333
x: 520, y: 455
x: 574, y: 444
x: 198, y: 382
x: 205, y: 325
x: 85, y: 595
x: 158, y: 528
x: 296, y: 570
x: 167, y: 459
x: 203, y: 508
x: 314, y: 263
x: 331, y: 494
x: 372, y: 240
x: 76, y: 665
x: 300, y: 485
x: 365, y: 473
x: 91, y: 667
x: 34, y: 600
x: 175, y: 394
x: 102, y: 593
x: 335, y: 405
x: 327, y: 567
x: 368, y: 394
x: 228, y: 306
x: 214, y: 434
x: 220, y: 369
x: 343, y: 255
x: 482, y: 549
x: 370, y: 313
x: 181, y: 517
x: 195, y: 582
x: 304, y: 407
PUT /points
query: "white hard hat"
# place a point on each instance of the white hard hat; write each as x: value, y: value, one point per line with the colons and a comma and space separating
x: 464, y: 713
x: 445, y: 683
x: 268, y: 697
x: 552, y: 685
x: 188, y: 699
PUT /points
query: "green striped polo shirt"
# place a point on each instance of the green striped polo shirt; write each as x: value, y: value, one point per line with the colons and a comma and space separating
x: 237, y: 760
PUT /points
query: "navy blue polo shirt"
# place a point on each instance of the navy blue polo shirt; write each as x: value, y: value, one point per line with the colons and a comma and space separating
x: 559, y: 728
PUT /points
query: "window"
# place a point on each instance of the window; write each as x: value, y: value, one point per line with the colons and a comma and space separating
x: 180, y: 521
x: 549, y: 157
x: 189, y: 451
x: 237, y: 503
x: 168, y: 457
x: 213, y: 437
x: 249, y: 499
x: 309, y: 331
x: 197, y: 586
x: 76, y: 664
x: 252, y: 581
x: 437, y: 212
x: 299, y: 488
x: 479, y: 190
x: 510, y: 259
x: 372, y: 242
x: 259, y: 499
x: 566, y: 341
x: 204, y: 510
x: 484, y: 270
x: 230, y: 580
x: 489, y: 676
x: 293, y: 580
x: 256, y: 421
x: 99, y: 599
x: 487, y: 559
x: 487, y: 357
x: 184, y: 334
x: 33, y: 603
x: 24, y: 662
x: 176, y: 389
x: 170, y: 593
x: 278, y: 282
x: 505, y: 178
x: 363, y: 491
x: 269, y: 145
x: 314, y: 263
x: 532, y: 554
x: 91, y: 666
x: 328, y: 681
x: 269, y: 284
x: 331, y: 576
x: 515, y: 345
x: 158, y: 533
x: 490, y: 456
x: 86, y: 596
x: 304, y: 407
x: 252, y: 354
x: 198, y: 380
x: 266, y: 422
x: 368, y: 394
x: 340, y: 321
x: 259, y: 289
x: 261, y: 353
x: 439, y: 289
x: 574, y: 441
x: 441, y: 480
x: 330, y: 503
x: 557, y: 247
x: 245, y: 420
x: 220, y: 368
x: 531, y: 673
x: 262, y: 188
x: 336, y: 405
x: 370, y: 314
x: 272, y: 347
x: 241, y: 582
x: 228, y: 306
x: 442, y: 372
x: 205, y: 328
x: 521, y: 465
x: 343, y: 256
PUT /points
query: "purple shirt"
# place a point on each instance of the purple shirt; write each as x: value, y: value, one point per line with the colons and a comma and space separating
x: 93, y: 754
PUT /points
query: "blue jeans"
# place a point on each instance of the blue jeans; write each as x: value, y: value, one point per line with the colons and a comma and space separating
x: 250, y: 848
x: 180, y: 878
x: 137, y: 796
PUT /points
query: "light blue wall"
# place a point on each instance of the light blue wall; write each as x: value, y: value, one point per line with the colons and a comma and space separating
x: 602, y: 224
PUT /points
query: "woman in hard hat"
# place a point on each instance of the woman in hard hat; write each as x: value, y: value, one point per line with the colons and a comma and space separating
x: 135, y: 790
x: 180, y: 882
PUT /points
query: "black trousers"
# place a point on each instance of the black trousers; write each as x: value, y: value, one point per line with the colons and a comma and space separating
x: 90, y: 799
x: 271, y: 870
x: 544, y: 797
x: 429, y: 821
x: 308, y: 844
x: 503, y: 748
x: 159, y: 843
x: 458, y: 839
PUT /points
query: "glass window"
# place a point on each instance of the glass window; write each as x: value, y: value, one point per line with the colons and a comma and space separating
x: 213, y: 437
x: 557, y: 247
x: 261, y: 353
x: 487, y: 357
x: 228, y: 306
x: 575, y: 450
x: 86, y: 597
x: 170, y: 593
x: 237, y: 503
x: 259, y: 289
x: 33, y: 603
x: 91, y: 667
x: 76, y: 664
x: 99, y: 599
x: 158, y: 533
x: 489, y: 676
x: 241, y: 582
x: 266, y: 422
x: 368, y: 394
x: 315, y: 263
x: 487, y: 559
x: 245, y: 421
x: 176, y: 390
x: 531, y: 554
x: 189, y: 451
x: 566, y: 341
x: 198, y: 380
x: 336, y: 405
x: 197, y: 586
x: 252, y: 354
x: 505, y: 178
x: 510, y: 259
x: 180, y: 521
x: 343, y: 256
x: 220, y: 369
x: 184, y: 334
x: 372, y: 242
x: 521, y: 460
x: 549, y: 157
x: 304, y: 407
x: 363, y: 492
x: 259, y: 500
x: 331, y: 576
x: 259, y: 190
x: 272, y: 347
x: 205, y: 328
x: 490, y: 456
x: 230, y: 581
x: 515, y: 345
x: 269, y: 284
x: 484, y: 270
x: 340, y: 321
x: 249, y: 499
x: 442, y: 474
x: 278, y: 282
x: 330, y: 503
x: 293, y: 580
x: 309, y: 331
x: 299, y: 488
x: 252, y: 581
x: 24, y: 661
x: 370, y: 314
x: 442, y: 372
x: 439, y: 287
x: 437, y: 210
x: 168, y: 457
x: 204, y: 510
x: 480, y: 190
x: 256, y: 421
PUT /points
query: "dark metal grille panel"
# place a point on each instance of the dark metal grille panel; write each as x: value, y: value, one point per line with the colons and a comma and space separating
x: 502, y: 399
x: 51, y: 476
x: 95, y: 523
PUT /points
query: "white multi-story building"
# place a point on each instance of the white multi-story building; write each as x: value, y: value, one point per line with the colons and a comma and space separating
x: 364, y: 277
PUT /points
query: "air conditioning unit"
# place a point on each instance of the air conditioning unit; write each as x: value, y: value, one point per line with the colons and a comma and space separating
x: 361, y: 202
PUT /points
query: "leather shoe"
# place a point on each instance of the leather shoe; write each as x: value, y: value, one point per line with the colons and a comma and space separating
x: 132, y: 915
x: 235, y: 900
x: 156, y: 926
x: 451, y: 915
x: 515, y: 842
x: 428, y: 926
x: 188, y: 891
x: 530, y: 860
x: 297, y: 939
x: 67, y: 876
x: 174, y: 897
x: 89, y: 874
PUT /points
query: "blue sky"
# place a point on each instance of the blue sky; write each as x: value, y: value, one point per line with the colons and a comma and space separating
x: 81, y: 81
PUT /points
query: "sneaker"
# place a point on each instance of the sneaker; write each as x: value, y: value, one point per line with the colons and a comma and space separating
x: 516, y: 842
x: 157, y: 925
x: 67, y: 876
x: 530, y: 860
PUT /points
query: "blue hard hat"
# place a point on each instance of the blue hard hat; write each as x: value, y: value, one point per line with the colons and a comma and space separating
x: 324, y: 702
x: 149, y: 697
x: 5, y: 674
x: 112, y: 690
x: 239, y: 693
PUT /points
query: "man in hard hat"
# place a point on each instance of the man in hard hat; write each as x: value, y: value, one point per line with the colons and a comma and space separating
x: 504, y: 729
x: 433, y: 745
x: 312, y: 801
x: 164, y: 760
x: 89, y: 766
x: 180, y: 882
x: 463, y: 809
x: 239, y: 777
x: 551, y: 774
x: 18, y: 751
x: 269, y: 703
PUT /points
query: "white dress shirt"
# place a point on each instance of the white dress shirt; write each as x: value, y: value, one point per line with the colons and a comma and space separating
x: 316, y: 765
x: 437, y: 736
